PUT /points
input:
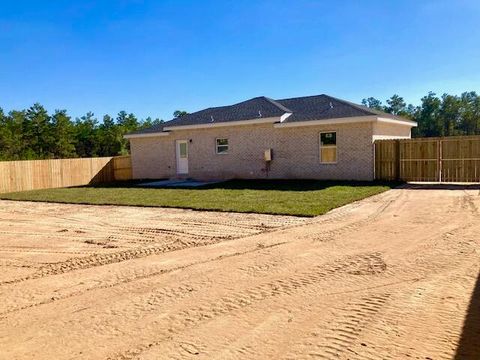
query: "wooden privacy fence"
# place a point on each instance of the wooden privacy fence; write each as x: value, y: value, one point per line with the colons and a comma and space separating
x: 450, y: 159
x: 122, y: 167
x: 55, y: 173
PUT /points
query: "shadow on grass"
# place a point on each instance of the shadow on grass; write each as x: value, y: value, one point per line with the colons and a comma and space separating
x: 469, y: 345
x: 441, y: 186
x: 278, y: 185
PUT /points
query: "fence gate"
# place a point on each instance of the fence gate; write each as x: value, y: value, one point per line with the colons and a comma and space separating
x: 451, y: 159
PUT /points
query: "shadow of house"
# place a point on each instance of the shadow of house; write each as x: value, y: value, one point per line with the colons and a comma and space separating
x: 274, y: 185
x: 469, y: 345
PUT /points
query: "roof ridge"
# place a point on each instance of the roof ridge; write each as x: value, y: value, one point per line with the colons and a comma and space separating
x: 231, y: 105
x: 300, y: 97
x: 366, y: 109
x: 277, y: 104
x: 303, y: 108
x: 358, y: 107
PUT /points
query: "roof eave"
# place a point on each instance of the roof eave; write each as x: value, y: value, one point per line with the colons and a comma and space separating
x: 285, y: 116
x: 146, y: 135
x: 269, y: 120
x: 404, y: 122
x: 345, y: 120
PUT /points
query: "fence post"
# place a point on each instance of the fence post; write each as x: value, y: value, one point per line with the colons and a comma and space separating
x: 397, y: 160
x: 440, y: 164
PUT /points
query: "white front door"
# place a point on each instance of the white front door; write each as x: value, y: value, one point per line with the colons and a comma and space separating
x: 182, y: 156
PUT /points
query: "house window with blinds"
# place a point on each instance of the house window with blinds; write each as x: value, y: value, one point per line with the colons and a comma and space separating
x: 328, y: 147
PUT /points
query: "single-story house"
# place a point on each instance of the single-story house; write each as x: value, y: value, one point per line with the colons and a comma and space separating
x: 311, y: 137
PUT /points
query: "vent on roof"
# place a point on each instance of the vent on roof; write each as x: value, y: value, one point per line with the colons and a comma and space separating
x: 331, y: 105
x: 211, y: 117
x: 259, y: 114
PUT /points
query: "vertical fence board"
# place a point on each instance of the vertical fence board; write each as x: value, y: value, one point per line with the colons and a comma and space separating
x: 461, y: 159
x: 386, y: 160
x: 122, y: 167
x: 451, y: 159
x: 418, y: 160
x: 43, y: 174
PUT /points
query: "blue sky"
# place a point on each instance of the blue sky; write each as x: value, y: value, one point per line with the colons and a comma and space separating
x: 153, y: 57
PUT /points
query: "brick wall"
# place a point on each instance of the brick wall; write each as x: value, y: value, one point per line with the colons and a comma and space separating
x: 295, y: 153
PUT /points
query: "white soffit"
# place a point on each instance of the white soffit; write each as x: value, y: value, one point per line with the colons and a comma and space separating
x: 145, y: 135
x: 269, y: 120
x: 398, y: 122
x: 277, y: 124
x: 347, y: 120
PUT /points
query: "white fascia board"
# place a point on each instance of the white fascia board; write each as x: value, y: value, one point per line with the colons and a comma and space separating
x: 347, y: 120
x: 398, y: 122
x: 146, y: 135
x: 269, y: 120
x: 285, y: 117
x: 389, y: 137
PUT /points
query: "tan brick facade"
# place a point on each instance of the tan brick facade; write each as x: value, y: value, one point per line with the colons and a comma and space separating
x: 296, y: 152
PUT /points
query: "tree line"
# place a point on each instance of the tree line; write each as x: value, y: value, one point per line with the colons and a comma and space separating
x: 33, y: 133
x: 446, y: 115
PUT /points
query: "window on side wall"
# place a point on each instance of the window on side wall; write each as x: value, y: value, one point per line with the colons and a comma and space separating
x: 328, y: 147
x: 221, y: 146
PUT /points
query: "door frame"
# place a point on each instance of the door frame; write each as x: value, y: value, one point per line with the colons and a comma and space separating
x: 178, y: 158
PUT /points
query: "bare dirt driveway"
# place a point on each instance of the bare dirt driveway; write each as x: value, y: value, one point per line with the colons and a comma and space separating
x: 390, y: 277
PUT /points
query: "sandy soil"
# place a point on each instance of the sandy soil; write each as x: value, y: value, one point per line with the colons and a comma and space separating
x: 390, y: 277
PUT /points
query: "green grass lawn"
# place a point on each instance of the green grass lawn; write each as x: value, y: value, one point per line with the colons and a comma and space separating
x: 287, y: 197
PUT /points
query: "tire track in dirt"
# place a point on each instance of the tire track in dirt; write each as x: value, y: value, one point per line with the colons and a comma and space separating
x: 344, y: 212
x: 275, y: 222
x: 97, y: 259
x: 345, y: 331
x: 214, y: 229
x: 265, y: 267
x: 331, y: 234
x: 121, y: 280
x: 362, y: 264
x: 431, y: 250
x: 170, y: 238
x: 154, y: 232
x: 42, y: 251
x: 403, y: 275
x: 368, y: 265
x: 249, y: 227
x: 427, y: 266
x: 131, y: 234
x: 376, y: 317
x: 441, y: 252
x: 468, y: 202
x: 426, y: 310
x: 367, y: 309
x: 15, y: 264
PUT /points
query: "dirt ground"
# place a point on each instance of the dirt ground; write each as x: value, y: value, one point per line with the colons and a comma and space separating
x: 391, y: 277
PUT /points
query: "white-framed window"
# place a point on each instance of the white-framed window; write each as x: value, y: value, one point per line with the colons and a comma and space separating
x: 221, y: 146
x: 328, y: 147
x: 182, y: 149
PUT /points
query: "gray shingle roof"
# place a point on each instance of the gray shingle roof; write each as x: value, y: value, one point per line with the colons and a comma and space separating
x: 307, y: 108
x: 320, y: 107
